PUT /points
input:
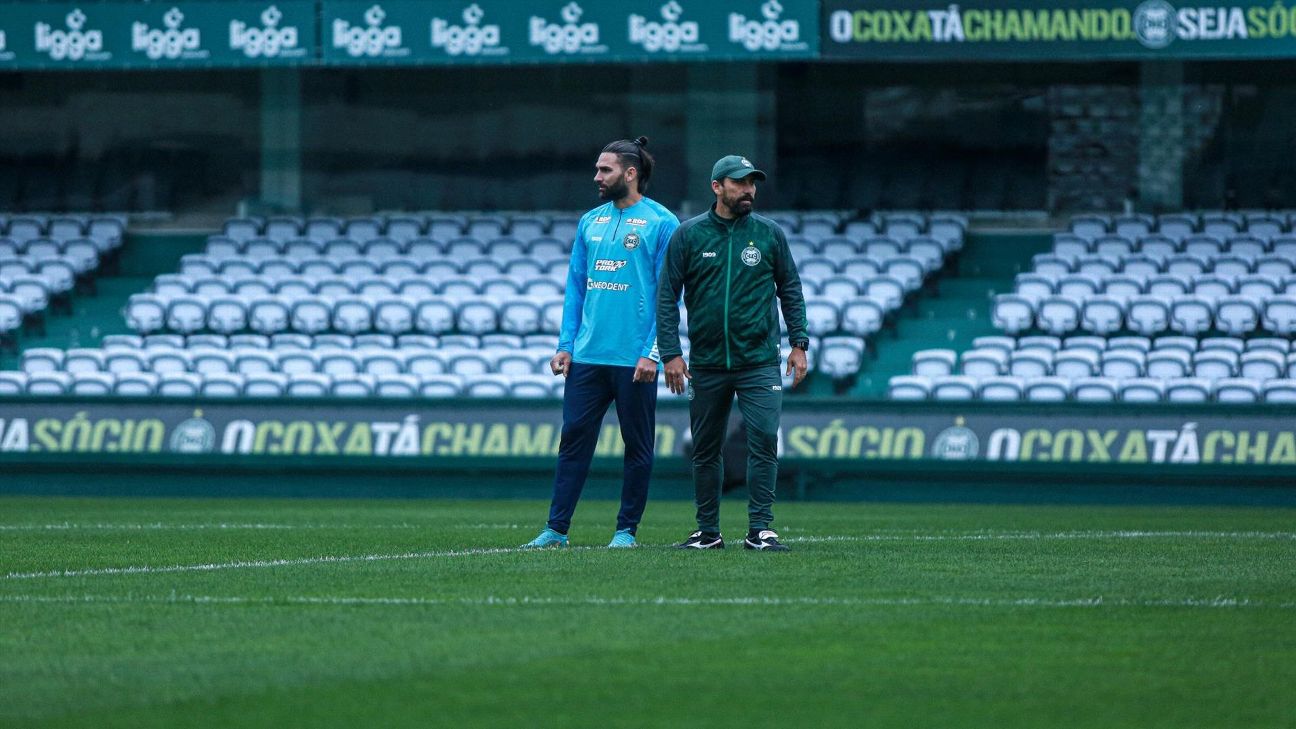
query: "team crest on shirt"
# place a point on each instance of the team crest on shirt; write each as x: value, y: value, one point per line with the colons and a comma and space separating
x: 751, y: 254
x: 630, y: 241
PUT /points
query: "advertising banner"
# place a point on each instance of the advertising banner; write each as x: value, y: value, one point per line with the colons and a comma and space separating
x: 1057, y: 30
x: 156, y: 35
x: 545, y: 31
x: 1258, y: 437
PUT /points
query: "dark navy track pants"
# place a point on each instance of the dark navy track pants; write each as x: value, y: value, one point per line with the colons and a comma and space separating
x: 590, y: 389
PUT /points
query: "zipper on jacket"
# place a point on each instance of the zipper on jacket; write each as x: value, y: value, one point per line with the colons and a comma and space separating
x: 616, y: 228
x: 728, y: 279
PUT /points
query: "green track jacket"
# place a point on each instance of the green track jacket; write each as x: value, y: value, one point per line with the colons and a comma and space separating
x: 730, y: 272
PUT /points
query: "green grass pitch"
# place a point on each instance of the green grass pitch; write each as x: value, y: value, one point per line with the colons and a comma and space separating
x: 132, y: 612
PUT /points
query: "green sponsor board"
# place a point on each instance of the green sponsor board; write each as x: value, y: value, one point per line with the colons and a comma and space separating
x: 512, y: 31
x: 157, y: 35
x: 811, y: 432
x: 1059, y: 30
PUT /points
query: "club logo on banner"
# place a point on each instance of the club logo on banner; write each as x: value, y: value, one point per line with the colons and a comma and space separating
x: 956, y: 443
x: 267, y: 41
x: 372, y: 41
x: 670, y: 35
x: 769, y: 34
x: 170, y: 42
x: 76, y: 43
x: 194, y: 435
x: 1154, y: 23
x: 473, y: 38
x: 572, y: 36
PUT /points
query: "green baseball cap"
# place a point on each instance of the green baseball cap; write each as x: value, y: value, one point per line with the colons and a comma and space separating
x: 735, y: 166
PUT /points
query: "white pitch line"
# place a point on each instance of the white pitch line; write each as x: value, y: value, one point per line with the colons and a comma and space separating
x: 255, y: 564
x: 1221, y: 602
x: 339, y: 559
x: 998, y: 536
x: 251, y: 526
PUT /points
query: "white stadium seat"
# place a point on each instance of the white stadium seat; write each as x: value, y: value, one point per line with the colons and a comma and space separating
x: 1142, y: 389
x: 1148, y: 314
x: 909, y: 387
x: 953, y: 387
x: 1094, y: 389
x: 1013, y: 314
x: 1047, y: 389
x: 933, y: 362
x: 1001, y: 388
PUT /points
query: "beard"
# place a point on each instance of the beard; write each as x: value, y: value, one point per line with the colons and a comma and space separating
x: 739, y: 204
x: 614, y: 190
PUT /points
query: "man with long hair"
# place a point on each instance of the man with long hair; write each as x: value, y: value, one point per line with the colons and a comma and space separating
x: 607, y: 348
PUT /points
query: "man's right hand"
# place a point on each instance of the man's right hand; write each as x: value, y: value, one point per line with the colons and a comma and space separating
x: 561, y: 364
x: 676, y: 373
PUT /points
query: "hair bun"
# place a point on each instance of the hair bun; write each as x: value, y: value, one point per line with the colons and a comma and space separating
x: 642, y: 141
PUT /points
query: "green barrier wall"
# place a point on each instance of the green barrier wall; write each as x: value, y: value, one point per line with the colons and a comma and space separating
x: 831, y: 448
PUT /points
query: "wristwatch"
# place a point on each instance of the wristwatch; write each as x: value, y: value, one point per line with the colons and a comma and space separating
x: 802, y: 344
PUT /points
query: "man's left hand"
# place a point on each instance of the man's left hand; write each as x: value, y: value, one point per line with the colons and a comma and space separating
x: 645, y: 370
x: 797, y: 363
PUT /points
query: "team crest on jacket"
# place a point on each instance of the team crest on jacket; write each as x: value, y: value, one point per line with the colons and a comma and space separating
x: 751, y: 255
x: 630, y: 241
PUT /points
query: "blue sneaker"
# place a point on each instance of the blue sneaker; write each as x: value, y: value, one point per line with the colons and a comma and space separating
x: 547, y: 538
x: 621, y: 539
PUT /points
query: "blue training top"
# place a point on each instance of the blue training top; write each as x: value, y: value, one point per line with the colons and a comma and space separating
x: 609, y: 312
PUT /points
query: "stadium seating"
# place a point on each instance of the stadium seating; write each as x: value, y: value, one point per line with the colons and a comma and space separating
x: 435, y: 305
x: 1182, y: 308
x: 44, y: 260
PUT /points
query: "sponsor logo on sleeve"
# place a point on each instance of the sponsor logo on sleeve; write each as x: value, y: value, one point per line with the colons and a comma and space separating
x: 75, y: 42
x: 636, y: 221
x: 603, y: 219
x: 609, y: 266
x: 268, y: 40
x: 473, y: 38
x: 372, y: 40
x: 569, y: 37
x: 172, y: 41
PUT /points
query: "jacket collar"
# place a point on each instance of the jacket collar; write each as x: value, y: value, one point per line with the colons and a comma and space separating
x: 728, y: 224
